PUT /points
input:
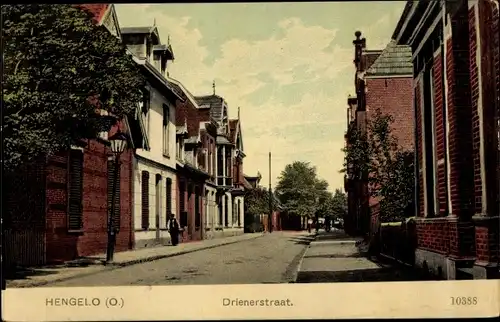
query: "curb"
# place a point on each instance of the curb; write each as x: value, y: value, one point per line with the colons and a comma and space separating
x: 299, y: 266
x: 113, y: 266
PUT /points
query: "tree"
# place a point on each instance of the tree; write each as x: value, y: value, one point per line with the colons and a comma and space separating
x: 376, y: 157
x: 339, y: 204
x: 299, y: 189
x: 59, y: 67
x: 257, y: 201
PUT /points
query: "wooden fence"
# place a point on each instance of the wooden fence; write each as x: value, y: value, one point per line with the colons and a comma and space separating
x: 23, y: 247
x: 398, y: 241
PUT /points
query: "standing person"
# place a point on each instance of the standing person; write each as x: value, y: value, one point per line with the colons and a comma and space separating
x: 309, y: 224
x: 173, y: 228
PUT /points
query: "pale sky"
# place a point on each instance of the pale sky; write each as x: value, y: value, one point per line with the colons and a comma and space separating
x: 288, y: 66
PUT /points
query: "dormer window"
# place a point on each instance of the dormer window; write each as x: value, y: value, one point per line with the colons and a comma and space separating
x: 180, y: 148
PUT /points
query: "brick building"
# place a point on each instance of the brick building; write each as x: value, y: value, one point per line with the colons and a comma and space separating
x: 388, y: 87
x: 383, y: 80
x: 57, y: 209
x: 455, y: 46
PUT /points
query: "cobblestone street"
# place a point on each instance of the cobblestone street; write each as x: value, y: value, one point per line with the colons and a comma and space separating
x: 273, y: 258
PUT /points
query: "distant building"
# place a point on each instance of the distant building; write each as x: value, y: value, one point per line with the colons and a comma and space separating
x: 455, y: 54
x: 228, y: 157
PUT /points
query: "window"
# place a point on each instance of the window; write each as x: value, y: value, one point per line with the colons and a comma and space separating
x: 166, y: 136
x: 145, y: 200
x: 75, y: 190
x: 239, y: 215
x: 226, y: 213
x: 104, y: 134
x: 168, y: 193
x: 145, y: 115
x: 114, y: 179
x: 197, y: 218
x: 234, y: 211
x: 429, y: 146
x: 182, y: 205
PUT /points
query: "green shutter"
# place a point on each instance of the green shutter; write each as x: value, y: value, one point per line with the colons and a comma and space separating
x: 145, y: 199
x: 169, y: 198
x: 75, y: 190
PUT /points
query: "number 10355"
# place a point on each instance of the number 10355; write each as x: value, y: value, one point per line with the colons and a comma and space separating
x: 463, y: 300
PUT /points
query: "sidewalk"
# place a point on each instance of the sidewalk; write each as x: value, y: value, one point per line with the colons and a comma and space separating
x: 95, y: 264
x: 336, y: 257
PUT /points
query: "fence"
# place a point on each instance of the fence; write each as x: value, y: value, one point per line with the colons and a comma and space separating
x: 24, y: 247
x: 398, y: 241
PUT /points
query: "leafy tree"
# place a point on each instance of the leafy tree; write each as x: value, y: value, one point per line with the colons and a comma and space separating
x: 375, y: 156
x: 299, y: 189
x: 339, y: 204
x: 257, y: 201
x: 58, y: 67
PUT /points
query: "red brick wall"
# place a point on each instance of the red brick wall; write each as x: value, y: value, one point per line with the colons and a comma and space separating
x: 475, y: 95
x: 393, y: 96
x: 62, y: 245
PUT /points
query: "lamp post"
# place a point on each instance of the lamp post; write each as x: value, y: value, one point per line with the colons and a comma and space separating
x: 118, y: 142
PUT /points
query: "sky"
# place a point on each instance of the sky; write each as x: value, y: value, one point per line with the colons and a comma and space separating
x: 288, y: 66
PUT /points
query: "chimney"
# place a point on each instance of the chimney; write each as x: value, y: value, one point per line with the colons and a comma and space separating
x: 359, y: 44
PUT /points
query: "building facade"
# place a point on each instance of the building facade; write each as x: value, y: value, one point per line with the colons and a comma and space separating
x: 388, y: 88
x: 154, y: 168
x: 455, y: 54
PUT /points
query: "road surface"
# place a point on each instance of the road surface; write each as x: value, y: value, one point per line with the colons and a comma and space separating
x: 273, y: 258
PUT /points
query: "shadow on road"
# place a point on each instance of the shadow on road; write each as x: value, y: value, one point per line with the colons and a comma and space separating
x: 303, y: 240
x: 20, y: 273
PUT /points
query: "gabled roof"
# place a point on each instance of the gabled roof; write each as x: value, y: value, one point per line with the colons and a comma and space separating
x: 368, y: 57
x: 214, y: 102
x: 233, y: 126
x: 138, y: 30
x: 394, y: 60
x: 97, y: 10
x: 142, y: 31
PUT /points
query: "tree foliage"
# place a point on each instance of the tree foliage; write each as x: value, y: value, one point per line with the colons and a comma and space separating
x: 300, y: 190
x: 58, y: 67
x: 375, y: 156
x: 339, y: 204
x: 257, y: 201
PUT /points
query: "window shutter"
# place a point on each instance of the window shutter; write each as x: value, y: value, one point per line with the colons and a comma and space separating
x: 169, y: 198
x: 111, y: 186
x: 75, y: 190
x: 165, y: 115
x: 145, y: 199
x: 145, y: 103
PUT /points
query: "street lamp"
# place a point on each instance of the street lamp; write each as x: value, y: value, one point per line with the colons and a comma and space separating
x: 118, y: 142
